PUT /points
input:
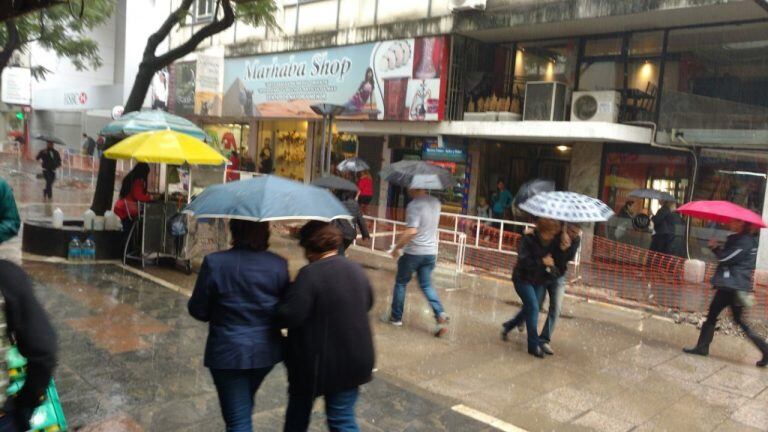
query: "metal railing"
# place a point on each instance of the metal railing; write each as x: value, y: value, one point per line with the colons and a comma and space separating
x: 388, y: 230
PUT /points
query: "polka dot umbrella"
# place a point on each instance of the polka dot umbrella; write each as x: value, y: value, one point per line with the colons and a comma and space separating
x: 567, y: 207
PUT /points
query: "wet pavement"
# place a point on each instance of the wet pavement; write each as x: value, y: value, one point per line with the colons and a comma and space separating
x: 131, y: 359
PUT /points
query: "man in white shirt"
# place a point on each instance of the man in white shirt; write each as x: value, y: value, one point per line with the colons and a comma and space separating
x: 419, y: 246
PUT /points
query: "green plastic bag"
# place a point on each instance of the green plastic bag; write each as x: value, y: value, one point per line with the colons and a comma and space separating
x: 49, y: 416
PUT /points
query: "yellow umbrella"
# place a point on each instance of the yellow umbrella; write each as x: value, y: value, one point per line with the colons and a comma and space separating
x: 165, y: 146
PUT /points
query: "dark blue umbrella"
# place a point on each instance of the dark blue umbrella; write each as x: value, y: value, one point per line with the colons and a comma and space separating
x: 267, y: 198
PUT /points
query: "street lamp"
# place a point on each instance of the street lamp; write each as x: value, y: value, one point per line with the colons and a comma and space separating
x: 328, y: 112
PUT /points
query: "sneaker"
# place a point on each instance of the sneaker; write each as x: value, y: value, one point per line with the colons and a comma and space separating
x: 441, y: 330
x: 396, y: 323
x: 444, y: 318
x: 547, y: 349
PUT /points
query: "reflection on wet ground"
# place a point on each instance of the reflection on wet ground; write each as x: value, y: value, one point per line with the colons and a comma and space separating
x: 131, y: 360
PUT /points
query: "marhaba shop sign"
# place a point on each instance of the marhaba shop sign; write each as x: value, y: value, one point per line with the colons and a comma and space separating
x: 391, y: 80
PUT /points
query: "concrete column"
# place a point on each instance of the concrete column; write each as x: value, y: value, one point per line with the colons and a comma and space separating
x: 386, y: 159
x: 585, y: 179
x: 473, y: 150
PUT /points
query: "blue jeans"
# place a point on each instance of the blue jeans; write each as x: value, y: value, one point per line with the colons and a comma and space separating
x: 423, y: 265
x: 339, y: 411
x: 532, y: 296
x: 236, y: 389
x: 556, y: 291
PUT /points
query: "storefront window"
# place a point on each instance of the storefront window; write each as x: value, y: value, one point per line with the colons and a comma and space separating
x: 646, y: 44
x: 282, y: 148
x: 547, y: 61
x: 231, y: 140
x: 716, y: 78
x: 601, y: 75
x: 603, y: 47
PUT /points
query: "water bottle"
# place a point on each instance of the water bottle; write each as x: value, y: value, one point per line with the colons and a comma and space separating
x: 89, y: 217
x: 89, y: 250
x: 74, y: 250
x: 58, y: 218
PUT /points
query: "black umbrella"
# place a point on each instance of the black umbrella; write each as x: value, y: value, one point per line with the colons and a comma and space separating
x: 336, y: 183
x: 416, y: 174
x: 50, y: 138
x: 531, y: 188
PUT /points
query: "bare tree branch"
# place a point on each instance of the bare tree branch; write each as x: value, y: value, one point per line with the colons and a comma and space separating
x: 12, y: 43
x: 159, y: 36
x: 209, y: 30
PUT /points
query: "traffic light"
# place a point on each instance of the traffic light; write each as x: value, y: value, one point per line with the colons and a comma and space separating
x: 20, y: 115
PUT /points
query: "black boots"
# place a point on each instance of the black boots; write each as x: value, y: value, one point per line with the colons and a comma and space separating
x: 705, y: 338
x: 697, y: 350
x: 536, y: 352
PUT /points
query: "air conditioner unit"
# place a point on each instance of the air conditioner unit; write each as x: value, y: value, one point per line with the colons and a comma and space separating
x: 545, y: 101
x: 464, y: 5
x: 602, y: 106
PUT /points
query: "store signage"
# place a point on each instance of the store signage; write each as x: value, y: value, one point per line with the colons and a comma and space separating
x: 182, y: 85
x: 391, y: 80
x: 16, y: 87
x: 209, y: 74
x: 75, y: 98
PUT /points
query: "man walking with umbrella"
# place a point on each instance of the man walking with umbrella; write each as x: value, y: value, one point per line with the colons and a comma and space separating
x: 419, y: 241
x: 419, y: 246
x: 51, y: 161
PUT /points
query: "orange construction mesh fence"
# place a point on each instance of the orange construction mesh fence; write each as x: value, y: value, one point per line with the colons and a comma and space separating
x: 608, y: 270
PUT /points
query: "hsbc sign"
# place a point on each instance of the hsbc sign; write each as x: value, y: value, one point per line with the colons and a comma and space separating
x: 75, y: 98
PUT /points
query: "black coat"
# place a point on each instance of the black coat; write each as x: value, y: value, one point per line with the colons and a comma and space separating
x: 28, y: 323
x: 50, y: 159
x: 530, y: 266
x: 329, y: 346
x: 664, y: 221
x: 736, y: 262
x: 563, y: 257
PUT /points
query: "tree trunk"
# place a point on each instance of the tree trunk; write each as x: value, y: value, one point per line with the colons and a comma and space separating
x: 12, y: 43
x: 105, y: 182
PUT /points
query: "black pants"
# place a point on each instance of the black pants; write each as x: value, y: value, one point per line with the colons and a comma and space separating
x: 727, y: 298
x: 50, y: 177
x: 662, y: 243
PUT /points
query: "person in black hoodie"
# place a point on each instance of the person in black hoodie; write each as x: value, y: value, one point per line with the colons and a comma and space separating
x: 535, y: 269
x: 732, y: 282
x: 50, y: 159
x: 329, y: 350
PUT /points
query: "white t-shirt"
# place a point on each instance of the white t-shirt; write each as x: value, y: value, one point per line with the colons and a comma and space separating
x: 423, y: 213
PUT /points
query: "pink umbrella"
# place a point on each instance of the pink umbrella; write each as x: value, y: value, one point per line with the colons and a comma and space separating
x: 720, y: 211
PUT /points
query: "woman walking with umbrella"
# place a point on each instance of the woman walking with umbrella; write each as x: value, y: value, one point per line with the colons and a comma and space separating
x: 732, y: 280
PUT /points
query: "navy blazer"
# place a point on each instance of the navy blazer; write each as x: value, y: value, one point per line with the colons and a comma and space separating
x: 237, y: 292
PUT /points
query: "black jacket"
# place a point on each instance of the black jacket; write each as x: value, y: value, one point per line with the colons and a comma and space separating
x: 736, y: 262
x: 664, y: 221
x: 51, y: 160
x: 28, y: 324
x: 530, y: 254
x: 329, y: 346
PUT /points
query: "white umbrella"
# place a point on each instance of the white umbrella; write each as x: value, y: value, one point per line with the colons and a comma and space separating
x: 567, y: 207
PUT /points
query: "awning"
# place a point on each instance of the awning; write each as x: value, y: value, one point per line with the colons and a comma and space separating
x: 520, y: 131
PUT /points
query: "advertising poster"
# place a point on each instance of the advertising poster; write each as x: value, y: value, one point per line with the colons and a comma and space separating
x: 393, y: 80
x: 182, y: 81
x: 209, y: 74
x: 16, y: 86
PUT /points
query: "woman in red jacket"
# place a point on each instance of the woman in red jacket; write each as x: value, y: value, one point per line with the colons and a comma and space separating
x: 365, y: 186
x: 132, y: 191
